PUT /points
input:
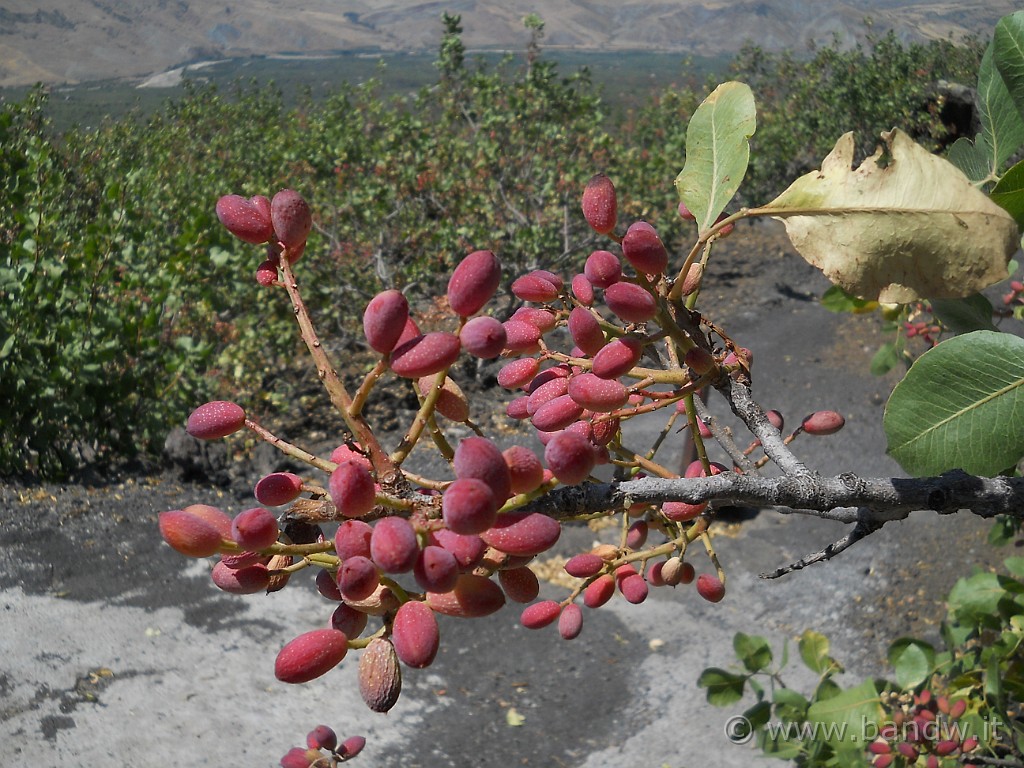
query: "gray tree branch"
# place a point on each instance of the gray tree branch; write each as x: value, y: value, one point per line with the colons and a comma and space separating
x: 844, y: 498
x: 858, y: 532
x: 753, y: 415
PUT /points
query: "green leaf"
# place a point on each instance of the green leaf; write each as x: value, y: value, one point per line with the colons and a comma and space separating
x: 994, y: 684
x: 1015, y: 565
x: 1004, y: 530
x: 980, y: 724
x: 972, y: 158
x: 913, y: 660
x: 975, y: 600
x: 717, y: 151
x: 1001, y: 122
x: 846, y: 717
x: 972, y: 313
x: 724, y: 687
x: 835, y: 299
x: 790, y: 706
x: 903, y: 226
x: 759, y: 714
x: 955, y: 635
x: 219, y: 256
x: 756, y: 687
x: 1011, y: 585
x: 885, y: 359
x: 777, y: 745
x: 1009, y: 193
x: 1008, y: 52
x: 849, y: 753
x: 961, y: 405
x: 814, y: 652
x: 1010, y: 643
x: 753, y: 651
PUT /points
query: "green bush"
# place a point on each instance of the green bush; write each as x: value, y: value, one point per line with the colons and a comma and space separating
x: 83, y: 321
x: 113, y: 323
x: 952, y: 705
x: 806, y: 104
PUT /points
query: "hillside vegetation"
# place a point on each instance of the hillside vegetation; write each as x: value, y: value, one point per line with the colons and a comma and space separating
x: 120, y: 293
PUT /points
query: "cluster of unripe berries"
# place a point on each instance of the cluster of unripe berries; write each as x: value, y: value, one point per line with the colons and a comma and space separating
x: 924, y: 330
x: 924, y: 730
x: 404, y: 551
x: 323, y: 750
x: 927, y: 329
x: 1015, y: 297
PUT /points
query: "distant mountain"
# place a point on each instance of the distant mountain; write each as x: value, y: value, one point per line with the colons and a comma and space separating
x: 58, y: 41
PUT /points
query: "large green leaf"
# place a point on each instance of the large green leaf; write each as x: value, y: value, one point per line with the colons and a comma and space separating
x: 1000, y: 105
x: 1001, y: 121
x: 1008, y: 44
x: 961, y: 405
x: 913, y: 661
x: 1009, y: 193
x: 717, y: 151
x: 972, y: 313
x: 848, y: 717
x: 724, y: 687
x: 972, y: 158
x: 903, y: 226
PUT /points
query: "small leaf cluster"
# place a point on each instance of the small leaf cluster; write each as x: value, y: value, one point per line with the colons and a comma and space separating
x: 774, y: 700
x: 944, y: 706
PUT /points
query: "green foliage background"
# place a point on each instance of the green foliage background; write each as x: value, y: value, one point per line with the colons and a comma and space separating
x: 805, y: 104
x: 124, y: 303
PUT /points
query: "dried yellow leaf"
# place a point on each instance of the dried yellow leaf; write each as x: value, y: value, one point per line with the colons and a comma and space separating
x: 905, y: 225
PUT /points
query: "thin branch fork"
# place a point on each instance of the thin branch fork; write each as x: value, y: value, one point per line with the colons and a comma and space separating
x: 860, y: 531
x: 739, y: 397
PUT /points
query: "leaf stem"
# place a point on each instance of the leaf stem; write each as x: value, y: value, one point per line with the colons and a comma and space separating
x: 676, y: 292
